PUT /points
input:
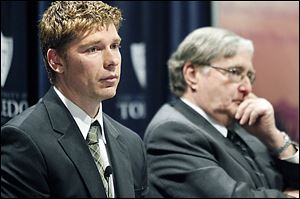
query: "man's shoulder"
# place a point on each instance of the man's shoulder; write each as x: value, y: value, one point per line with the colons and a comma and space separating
x: 167, y: 113
x: 166, y: 118
x: 31, y: 114
x: 34, y: 118
x: 117, y: 127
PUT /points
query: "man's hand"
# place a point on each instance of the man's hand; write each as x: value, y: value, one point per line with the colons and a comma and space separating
x: 256, y: 115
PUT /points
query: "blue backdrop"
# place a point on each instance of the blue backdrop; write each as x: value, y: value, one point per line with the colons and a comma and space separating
x: 14, y: 59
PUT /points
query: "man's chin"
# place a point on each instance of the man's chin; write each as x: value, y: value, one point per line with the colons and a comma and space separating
x: 232, y: 111
x: 107, y: 94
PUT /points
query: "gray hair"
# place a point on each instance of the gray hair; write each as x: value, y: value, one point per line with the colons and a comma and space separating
x: 200, y: 47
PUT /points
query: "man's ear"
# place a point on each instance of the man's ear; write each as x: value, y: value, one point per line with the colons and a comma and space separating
x: 190, y: 74
x: 54, y: 61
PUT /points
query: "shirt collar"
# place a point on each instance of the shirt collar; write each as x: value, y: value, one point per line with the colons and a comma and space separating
x: 82, y: 119
x: 222, y: 129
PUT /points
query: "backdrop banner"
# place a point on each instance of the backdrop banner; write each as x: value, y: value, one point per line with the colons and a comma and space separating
x: 14, y: 96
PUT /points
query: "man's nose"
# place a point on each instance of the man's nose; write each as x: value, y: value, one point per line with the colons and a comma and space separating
x: 245, y: 85
x: 110, y: 59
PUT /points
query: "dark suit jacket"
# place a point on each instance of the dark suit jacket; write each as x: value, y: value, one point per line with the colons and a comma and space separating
x: 188, y: 157
x: 43, y: 154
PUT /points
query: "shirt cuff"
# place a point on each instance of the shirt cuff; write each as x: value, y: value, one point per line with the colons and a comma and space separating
x: 294, y: 158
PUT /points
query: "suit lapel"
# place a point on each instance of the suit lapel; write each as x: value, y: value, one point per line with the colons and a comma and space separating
x: 75, y: 148
x: 118, y: 152
x: 71, y: 140
x: 212, y: 132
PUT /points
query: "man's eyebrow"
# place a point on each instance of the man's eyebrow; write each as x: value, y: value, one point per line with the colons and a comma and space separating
x: 97, y: 42
x: 242, y: 68
x: 90, y: 43
x: 118, y: 40
x: 236, y: 66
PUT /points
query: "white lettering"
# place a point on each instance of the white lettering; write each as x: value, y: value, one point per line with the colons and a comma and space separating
x: 133, y: 110
x: 10, y: 108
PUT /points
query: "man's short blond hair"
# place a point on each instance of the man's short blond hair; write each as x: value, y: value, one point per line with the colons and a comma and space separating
x: 64, y: 21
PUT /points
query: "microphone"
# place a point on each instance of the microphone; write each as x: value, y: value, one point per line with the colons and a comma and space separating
x: 107, y: 171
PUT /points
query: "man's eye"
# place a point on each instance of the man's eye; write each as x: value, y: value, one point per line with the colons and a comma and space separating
x: 115, y: 46
x: 235, y: 71
x: 91, y: 50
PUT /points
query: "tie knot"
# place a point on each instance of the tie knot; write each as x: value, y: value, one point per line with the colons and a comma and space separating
x: 92, y: 137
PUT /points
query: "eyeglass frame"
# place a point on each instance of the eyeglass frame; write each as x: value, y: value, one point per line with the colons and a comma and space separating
x: 231, y: 73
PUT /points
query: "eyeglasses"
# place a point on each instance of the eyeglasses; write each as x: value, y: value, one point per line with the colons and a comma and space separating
x: 235, y: 73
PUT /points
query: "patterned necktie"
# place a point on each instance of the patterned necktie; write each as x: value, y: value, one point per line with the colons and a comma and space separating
x: 92, y: 140
x: 248, y: 155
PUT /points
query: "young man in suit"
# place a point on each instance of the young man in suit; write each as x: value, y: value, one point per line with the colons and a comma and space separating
x: 44, y: 152
x: 188, y: 146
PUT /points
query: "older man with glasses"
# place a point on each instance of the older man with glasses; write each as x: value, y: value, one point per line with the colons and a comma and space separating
x: 217, y: 138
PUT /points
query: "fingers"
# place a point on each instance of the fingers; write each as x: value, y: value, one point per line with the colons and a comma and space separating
x: 241, y: 109
x: 251, y: 109
x: 247, y: 101
x: 251, y: 96
x: 253, y: 117
x: 247, y: 112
